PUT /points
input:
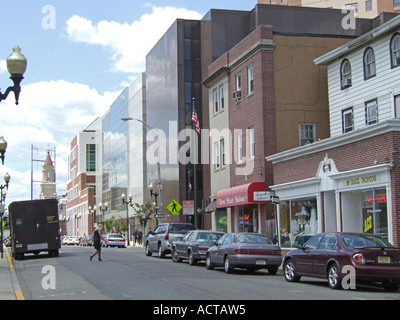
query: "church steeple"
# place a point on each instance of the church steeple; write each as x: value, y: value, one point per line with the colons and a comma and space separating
x: 48, y: 185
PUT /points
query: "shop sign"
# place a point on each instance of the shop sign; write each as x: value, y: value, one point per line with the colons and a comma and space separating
x: 362, y: 180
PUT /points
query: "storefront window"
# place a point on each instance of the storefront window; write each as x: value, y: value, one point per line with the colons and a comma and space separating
x: 298, y: 221
x: 248, y: 218
x: 374, y: 212
x: 221, y: 220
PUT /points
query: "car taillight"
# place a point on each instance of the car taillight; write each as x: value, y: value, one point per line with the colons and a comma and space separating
x: 167, y: 236
x: 359, y: 258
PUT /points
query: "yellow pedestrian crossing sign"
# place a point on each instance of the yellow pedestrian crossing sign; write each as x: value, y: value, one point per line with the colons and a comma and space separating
x: 174, y: 207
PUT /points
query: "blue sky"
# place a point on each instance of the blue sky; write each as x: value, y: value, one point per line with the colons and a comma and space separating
x: 81, y: 55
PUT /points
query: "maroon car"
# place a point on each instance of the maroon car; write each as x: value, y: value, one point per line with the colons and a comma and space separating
x: 374, y: 259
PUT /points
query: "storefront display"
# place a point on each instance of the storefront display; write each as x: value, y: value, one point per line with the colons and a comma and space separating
x: 298, y: 221
x: 374, y: 212
x: 248, y: 218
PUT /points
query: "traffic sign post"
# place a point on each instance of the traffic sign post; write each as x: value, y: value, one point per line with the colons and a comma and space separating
x: 174, y: 207
x: 274, y: 199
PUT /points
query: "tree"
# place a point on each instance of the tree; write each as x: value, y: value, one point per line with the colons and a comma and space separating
x: 144, y: 211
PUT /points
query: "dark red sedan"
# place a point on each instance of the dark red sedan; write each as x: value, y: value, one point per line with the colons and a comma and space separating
x: 325, y: 255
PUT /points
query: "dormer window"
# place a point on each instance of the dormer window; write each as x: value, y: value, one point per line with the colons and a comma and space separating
x: 345, y: 74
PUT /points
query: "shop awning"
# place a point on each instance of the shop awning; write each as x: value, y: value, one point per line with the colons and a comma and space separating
x: 239, y: 195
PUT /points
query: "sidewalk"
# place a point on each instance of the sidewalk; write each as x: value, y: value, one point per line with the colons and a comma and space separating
x: 9, y: 284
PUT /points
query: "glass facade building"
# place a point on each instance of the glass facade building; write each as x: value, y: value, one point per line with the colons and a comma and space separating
x: 115, y: 164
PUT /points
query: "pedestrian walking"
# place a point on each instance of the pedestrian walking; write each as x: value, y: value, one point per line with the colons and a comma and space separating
x: 97, y: 241
x: 139, y: 236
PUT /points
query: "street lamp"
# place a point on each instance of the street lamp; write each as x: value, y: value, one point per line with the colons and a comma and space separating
x: 16, y: 66
x: 3, y: 147
x: 155, y: 195
x: 127, y: 202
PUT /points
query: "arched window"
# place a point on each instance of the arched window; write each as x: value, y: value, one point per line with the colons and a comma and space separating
x: 395, y: 50
x: 345, y: 74
x: 369, y: 63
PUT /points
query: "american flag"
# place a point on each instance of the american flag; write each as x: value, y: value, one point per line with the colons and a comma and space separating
x: 195, y: 120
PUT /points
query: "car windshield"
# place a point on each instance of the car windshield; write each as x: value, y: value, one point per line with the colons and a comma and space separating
x: 251, y: 238
x: 180, y: 228
x: 364, y: 240
x: 208, y: 236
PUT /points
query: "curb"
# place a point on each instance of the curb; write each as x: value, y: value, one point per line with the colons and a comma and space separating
x: 14, y: 280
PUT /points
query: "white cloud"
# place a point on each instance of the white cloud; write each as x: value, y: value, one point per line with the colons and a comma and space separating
x: 3, y: 66
x: 49, y: 114
x: 128, y: 43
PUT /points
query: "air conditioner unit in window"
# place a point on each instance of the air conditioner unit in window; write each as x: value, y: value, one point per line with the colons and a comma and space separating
x: 236, y: 95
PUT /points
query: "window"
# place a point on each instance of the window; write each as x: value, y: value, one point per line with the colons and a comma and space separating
x: 368, y: 5
x: 252, y: 143
x: 306, y: 133
x: 215, y: 100
x: 395, y: 50
x: 238, y: 86
x: 313, y: 243
x: 347, y: 120
x: 222, y: 147
x: 221, y: 97
x: 239, y: 147
x: 90, y: 157
x: 397, y: 106
x: 250, y: 80
x: 396, y: 3
x: 345, y: 74
x: 371, y: 112
x: 352, y: 6
x: 216, y: 155
x: 369, y: 64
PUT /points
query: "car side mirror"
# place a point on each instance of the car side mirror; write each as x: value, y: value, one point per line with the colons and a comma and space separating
x: 302, y: 247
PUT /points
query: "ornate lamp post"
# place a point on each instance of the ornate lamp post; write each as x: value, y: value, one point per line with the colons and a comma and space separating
x: 7, y: 181
x: 16, y: 66
x: 127, y: 202
x: 3, y: 147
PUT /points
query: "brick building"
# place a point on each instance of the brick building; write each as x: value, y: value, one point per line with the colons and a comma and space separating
x: 350, y: 181
x: 256, y: 75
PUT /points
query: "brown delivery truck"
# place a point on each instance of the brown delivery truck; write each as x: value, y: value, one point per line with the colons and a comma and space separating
x: 34, y: 227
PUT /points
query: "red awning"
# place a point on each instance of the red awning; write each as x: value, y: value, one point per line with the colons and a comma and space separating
x: 239, y: 195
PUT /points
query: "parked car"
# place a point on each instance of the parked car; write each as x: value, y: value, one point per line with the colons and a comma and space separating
x: 252, y: 251
x: 114, y: 240
x: 324, y: 256
x: 194, y: 245
x: 160, y: 240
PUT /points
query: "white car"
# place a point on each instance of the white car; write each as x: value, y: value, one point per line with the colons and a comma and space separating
x: 72, y: 241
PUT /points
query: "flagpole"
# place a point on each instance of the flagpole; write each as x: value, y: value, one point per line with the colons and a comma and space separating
x: 195, y: 171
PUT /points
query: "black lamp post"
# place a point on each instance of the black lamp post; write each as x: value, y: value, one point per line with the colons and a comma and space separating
x: 16, y: 66
x: 127, y: 202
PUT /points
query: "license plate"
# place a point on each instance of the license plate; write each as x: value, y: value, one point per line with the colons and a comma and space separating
x: 261, y: 262
x: 383, y: 259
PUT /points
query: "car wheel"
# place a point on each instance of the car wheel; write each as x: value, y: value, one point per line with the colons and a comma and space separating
x: 161, y: 253
x: 192, y: 260
x: 175, y: 257
x: 227, y: 266
x: 147, y: 250
x: 209, y: 264
x: 334, y: 279
x: 289, y: 270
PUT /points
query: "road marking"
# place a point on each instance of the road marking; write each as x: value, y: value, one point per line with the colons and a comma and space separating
x: 18, y: 293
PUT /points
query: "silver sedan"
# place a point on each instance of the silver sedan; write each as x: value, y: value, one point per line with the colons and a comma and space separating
x: 250, y: 251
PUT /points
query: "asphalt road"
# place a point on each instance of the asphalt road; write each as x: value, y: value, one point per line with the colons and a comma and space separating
x: 127, y: 274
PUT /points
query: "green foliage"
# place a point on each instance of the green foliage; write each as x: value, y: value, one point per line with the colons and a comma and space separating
x: 144, y: 212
